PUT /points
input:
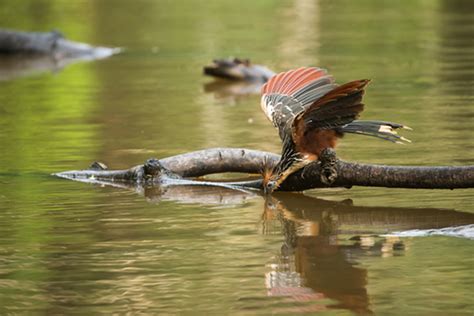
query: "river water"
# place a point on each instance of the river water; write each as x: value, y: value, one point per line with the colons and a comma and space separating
x: 74, y: 248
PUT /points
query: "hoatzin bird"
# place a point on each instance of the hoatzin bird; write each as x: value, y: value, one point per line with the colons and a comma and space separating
x: 311, y: 113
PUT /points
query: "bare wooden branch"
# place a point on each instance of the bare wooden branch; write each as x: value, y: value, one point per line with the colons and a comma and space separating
x: 219, y: 160
x: 357, y: 174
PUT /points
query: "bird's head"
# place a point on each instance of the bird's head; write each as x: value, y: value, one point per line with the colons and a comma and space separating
x: 270, y: 186
x: 271, y: 179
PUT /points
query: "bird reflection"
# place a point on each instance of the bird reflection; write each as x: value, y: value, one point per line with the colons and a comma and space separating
x: 317, y: 264
x: 311, y: 266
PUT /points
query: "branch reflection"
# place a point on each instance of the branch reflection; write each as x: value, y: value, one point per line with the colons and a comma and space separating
x: 225, y: 89
x: 317, y: 267
x: 25, y: 65
x: 196, y: 195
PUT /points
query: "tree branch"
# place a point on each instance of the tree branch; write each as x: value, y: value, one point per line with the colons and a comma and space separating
x: 219, y: 160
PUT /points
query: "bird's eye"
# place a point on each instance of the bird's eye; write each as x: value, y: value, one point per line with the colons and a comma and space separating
x: 271, y: 186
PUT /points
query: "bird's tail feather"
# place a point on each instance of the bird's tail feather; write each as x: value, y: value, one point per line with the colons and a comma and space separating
x: 380, y: 129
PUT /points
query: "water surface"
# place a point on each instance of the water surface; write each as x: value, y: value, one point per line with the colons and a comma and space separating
x: 68, y: 247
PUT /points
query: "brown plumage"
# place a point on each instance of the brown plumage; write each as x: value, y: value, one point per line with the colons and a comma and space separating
x: 311, y: 113
x: 311, y: 140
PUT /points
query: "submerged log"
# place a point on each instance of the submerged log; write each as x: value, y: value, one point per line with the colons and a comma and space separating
x: 219, y: 160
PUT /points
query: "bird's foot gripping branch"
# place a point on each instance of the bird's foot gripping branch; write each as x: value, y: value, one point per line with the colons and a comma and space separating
x: 329, y: 172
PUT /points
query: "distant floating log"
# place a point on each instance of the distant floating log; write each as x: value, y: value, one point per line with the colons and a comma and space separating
x: 49, y: 43
x: 237, y: 69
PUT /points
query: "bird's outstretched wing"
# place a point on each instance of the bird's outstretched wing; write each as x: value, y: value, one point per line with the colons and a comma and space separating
x: 340, y: 106
x: 289, y: 93
x: 317, y: 126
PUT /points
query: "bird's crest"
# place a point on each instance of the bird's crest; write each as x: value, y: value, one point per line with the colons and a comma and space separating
x: 266, y: 170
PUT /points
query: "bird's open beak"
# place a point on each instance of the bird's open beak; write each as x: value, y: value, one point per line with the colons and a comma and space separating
x: 265, y: 190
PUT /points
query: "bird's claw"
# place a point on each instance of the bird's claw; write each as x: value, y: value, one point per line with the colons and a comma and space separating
x: 328, y: 175
x: 328, y: 166
x: 151, y: 169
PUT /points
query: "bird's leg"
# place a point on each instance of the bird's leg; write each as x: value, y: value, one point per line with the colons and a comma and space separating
x: 328, y: 161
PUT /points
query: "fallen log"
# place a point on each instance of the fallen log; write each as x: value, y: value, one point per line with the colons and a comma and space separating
x: 49, y: 43
x: 174, y: 170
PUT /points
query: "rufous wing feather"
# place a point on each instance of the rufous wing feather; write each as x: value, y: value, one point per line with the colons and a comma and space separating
x: 287, y: 94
